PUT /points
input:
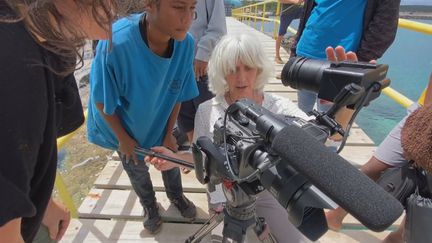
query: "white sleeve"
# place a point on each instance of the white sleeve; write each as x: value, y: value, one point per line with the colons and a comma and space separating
x: 201, y: 127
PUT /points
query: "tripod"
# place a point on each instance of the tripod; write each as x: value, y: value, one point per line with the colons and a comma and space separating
x: 237, y: 216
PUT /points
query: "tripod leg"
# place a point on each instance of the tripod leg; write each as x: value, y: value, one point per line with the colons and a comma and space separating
x: 208, y: 226
x: 262, y: 231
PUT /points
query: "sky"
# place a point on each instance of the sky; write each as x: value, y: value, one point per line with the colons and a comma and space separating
x: 416, y: 2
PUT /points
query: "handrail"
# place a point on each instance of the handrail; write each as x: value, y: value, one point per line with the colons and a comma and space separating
x: 397, y: 97
x: 415, y: 26
x: 59, y: 182
x: 246, y: 13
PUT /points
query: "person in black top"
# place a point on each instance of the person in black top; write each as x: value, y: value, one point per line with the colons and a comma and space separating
x: 39, y: 101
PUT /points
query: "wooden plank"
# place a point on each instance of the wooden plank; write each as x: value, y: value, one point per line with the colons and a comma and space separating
x: 86, y: 230
x: 124, y: 204
x: 358, y: 155
x: 358, y: 137
x: 352, y: 236
x: 350, y: 222
x: 290, y: 96
x: 278, y: 87
x: 114, y: 177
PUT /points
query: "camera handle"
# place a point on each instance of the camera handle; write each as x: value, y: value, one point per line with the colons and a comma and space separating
x: 348, y: 95
x: 148, y: 152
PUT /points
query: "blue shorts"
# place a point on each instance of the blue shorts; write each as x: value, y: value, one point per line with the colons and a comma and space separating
x: 287, y: 17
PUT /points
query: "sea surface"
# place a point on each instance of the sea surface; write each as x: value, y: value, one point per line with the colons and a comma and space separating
x: 410, y: 63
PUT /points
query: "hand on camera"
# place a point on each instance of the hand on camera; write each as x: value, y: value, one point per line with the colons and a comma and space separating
x: 338, y: 54
x: 161, y: 164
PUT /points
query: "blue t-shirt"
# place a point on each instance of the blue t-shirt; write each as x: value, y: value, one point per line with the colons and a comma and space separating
x: 332, y: 23
x: 137, y: 85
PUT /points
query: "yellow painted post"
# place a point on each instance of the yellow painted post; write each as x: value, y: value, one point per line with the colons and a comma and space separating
x: 276, y: 26
x: 65, y: 196
x: 263, y: 15
x: 255, y: 14
x: 59, y: 183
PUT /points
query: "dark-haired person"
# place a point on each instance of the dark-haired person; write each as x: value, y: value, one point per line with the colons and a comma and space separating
x: 136, y: 89
x: 39, y: 43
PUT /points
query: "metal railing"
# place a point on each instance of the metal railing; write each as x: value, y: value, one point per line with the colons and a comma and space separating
x: 257, y: 11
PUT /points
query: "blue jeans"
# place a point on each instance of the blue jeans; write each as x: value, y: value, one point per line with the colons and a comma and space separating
x: 307, y: 99
x: 142, y: 184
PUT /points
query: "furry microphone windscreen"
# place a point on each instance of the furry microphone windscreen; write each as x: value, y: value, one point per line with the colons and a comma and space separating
x: 416, y: 138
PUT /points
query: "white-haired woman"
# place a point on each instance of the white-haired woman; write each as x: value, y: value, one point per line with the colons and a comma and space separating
x: 238, y: 68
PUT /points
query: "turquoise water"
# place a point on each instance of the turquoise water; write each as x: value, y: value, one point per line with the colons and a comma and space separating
x: 410, y: 63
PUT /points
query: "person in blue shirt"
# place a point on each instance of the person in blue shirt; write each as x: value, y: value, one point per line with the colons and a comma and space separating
x: 367, y: 27
x: 331, y: 23
x: 137, y: 85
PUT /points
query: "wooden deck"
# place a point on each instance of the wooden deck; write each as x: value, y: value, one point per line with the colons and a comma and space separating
x: 111, y: 211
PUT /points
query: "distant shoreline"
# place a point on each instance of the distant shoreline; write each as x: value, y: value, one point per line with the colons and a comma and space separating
x: 415, y: 15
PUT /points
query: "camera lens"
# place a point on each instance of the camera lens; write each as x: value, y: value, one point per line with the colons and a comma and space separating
x: 304, y: 73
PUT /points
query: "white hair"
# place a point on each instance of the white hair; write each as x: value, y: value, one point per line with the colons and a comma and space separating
x: 230, y: 50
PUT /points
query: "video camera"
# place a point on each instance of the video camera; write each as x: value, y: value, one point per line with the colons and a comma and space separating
x: 254, y: 149
x: 328, y: 79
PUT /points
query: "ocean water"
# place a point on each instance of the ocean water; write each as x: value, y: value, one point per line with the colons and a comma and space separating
x: 410, y: 63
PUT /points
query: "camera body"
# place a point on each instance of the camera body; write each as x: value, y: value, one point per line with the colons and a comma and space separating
x: 241, y: 158
x: 241, y: 136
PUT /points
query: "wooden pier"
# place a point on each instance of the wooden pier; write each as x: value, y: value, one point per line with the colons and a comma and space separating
x: 111, y: 212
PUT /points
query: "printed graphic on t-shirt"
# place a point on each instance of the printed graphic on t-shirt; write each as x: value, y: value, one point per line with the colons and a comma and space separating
x: 175, y: 86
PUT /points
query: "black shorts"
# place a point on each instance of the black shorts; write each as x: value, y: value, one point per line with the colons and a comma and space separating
x: 186, y: 117
x: 287, y: 17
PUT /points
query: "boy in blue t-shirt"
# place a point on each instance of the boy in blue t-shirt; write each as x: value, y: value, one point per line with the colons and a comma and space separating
x: 137, y: 86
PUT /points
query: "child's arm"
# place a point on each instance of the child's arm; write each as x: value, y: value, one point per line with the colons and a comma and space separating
x: 126, y: 143
x: 169, y: 140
